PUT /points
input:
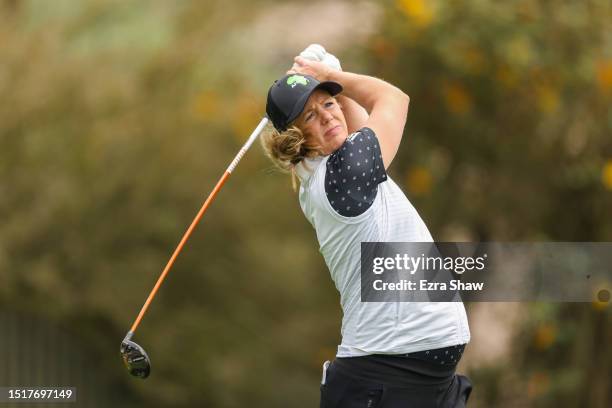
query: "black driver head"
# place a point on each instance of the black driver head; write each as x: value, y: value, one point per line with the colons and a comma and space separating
x: 135, y: 359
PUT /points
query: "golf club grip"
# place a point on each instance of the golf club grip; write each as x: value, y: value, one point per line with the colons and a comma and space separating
x: 247, y: 144
x: 197, y: 219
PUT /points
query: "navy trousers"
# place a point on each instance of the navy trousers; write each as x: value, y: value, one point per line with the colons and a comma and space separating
x: 355, y: 382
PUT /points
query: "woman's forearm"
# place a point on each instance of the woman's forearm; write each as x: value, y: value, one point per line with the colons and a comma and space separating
x: 356, y: 116
x: 365, y: 90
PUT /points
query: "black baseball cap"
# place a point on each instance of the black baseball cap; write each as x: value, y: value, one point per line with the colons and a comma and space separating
x: 288, y: 96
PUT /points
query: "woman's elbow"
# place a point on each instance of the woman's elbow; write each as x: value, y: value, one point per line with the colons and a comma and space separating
x: 405, y: 101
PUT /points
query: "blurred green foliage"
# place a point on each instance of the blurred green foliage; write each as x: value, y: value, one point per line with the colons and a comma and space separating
x: 118, y: 118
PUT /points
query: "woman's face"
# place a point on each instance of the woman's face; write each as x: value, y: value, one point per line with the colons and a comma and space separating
x: 323, y: 122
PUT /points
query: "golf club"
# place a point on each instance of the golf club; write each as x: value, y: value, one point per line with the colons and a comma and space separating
x: 134, y: 356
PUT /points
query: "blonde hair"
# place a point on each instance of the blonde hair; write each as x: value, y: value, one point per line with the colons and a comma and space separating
x: 288, y: 148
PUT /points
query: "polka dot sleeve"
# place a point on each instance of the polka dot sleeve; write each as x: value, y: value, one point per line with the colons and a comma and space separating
x: 353, y: 174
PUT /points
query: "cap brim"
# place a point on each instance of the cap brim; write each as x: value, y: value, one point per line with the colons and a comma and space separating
x: 332, y: 87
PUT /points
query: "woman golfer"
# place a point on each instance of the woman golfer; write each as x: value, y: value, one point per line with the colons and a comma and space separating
x: 338, y: 132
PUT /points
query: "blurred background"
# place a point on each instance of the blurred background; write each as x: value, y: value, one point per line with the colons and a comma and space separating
x: 117, y: 118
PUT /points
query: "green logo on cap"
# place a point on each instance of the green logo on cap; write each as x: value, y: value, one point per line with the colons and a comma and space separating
x: 293, y: 80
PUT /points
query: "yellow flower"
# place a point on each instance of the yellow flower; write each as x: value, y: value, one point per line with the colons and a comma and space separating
x: 420, y: 12
x: 545, y: 336
x: 458, y: 100
x: 507, y: 77
x: 606, y: 175
x: 604, y: 76
x: 419, y: 181
x: 520, y: 51
x: 547, y: 98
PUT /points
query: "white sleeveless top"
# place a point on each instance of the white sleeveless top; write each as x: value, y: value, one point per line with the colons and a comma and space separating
x: 369, y: 327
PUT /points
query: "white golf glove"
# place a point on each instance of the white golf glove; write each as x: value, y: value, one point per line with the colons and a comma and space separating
x: 316, y: 52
